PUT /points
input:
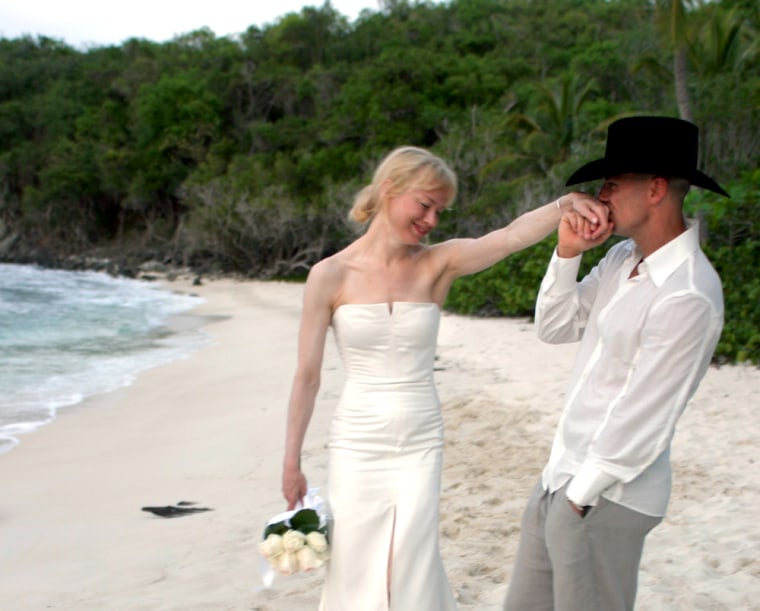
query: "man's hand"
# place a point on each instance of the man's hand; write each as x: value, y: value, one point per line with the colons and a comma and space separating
x: 578, y: 234
x: 591, y: 209
x: 580, y: 511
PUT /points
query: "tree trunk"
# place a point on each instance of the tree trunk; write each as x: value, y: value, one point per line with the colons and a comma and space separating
x: 682, y: 90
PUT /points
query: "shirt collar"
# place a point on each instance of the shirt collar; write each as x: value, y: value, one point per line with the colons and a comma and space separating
x: 666, y: 259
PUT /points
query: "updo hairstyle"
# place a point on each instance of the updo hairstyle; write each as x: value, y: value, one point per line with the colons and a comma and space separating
x: 406, y: 167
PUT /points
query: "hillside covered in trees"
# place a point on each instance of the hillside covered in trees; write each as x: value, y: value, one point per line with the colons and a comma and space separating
x: 242, y: 155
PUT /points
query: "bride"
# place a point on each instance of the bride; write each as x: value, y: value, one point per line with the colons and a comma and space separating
x: 382, y: 295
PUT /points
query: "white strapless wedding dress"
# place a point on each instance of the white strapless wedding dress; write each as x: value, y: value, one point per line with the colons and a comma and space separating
x: 385, y: 449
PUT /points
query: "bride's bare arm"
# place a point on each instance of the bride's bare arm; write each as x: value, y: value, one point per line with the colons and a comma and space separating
x: 466, y: 256
x: 315, y: 319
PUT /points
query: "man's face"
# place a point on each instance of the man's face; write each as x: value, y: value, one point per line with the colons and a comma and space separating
x: 626, y: 197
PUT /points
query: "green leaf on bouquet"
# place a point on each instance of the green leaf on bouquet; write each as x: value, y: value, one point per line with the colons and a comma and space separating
x: 306, y: 520
x: 280, y: 528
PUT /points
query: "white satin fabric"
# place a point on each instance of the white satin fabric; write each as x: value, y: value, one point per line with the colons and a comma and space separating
x: 386, y: 442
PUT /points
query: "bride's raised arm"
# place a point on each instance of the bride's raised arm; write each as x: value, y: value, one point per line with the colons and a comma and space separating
x: 470, y: 255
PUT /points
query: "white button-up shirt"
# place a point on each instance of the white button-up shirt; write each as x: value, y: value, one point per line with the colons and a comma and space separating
x: 646, y: 343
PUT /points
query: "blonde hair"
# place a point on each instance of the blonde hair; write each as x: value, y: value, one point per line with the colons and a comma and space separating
x: 405, y: 167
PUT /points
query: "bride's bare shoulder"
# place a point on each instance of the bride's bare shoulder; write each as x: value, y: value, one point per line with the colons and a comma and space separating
x: 334, y: 264
x: 331, y: 271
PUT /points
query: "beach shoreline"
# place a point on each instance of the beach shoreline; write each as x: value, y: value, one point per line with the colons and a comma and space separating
x: 209, y: 429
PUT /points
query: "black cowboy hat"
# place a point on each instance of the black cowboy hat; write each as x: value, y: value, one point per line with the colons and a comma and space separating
x: 642, y: 145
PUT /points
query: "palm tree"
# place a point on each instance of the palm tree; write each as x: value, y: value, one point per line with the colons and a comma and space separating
x: 725, y: 44
x: 550, y: 130
x: 671, y: 21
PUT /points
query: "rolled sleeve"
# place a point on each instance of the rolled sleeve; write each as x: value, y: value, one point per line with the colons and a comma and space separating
x: 562, y: 274
x: 566, y: 271
x: 588, y: 484
x: 558, y: 315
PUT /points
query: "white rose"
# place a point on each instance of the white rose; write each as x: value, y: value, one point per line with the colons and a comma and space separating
x: 287, y: 563
x: 293, y: 540
x: 317, y: 541
x: 308, y: 559
x: 271, y: 546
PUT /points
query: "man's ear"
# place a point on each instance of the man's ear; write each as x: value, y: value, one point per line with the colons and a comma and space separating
x: 658, y: 189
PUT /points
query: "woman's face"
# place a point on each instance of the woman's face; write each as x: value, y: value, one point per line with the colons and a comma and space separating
x: 415, y: 212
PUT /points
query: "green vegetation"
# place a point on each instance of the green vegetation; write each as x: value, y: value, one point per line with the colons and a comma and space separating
x: 242, y: 155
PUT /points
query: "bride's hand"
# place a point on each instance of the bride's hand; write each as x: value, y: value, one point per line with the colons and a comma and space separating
x: 593, y: 211
x: 577, y: 234
x: 294, y: 486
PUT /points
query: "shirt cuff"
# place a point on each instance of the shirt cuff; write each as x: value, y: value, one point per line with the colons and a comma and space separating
x: 588, y: 484
x: 565, y: 272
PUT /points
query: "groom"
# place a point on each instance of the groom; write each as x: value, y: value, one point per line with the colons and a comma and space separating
x: 648, y: 318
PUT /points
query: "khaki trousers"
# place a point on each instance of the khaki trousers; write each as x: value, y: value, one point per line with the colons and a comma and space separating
x: 568, y: 563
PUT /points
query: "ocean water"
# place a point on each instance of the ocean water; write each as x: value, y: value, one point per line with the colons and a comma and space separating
x: 68, y: 335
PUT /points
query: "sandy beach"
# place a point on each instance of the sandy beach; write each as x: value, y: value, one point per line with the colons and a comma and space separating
x: 209, y: 429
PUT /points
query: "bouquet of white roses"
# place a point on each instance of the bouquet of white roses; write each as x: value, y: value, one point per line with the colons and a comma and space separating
x: 296, y: 540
